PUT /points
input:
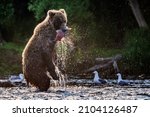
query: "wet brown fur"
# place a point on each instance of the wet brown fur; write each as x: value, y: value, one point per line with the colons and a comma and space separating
x: 37, y: 57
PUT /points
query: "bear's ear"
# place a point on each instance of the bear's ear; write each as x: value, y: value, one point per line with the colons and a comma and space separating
x: 51, y: 13
x: 63, y: 11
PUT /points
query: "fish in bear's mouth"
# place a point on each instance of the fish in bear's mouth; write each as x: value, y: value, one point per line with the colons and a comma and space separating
x: 61, y: 33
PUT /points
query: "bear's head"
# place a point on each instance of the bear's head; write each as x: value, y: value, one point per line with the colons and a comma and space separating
x: 58, y: 19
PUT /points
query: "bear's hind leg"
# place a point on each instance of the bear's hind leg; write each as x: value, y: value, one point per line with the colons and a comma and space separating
x: 44, y: 84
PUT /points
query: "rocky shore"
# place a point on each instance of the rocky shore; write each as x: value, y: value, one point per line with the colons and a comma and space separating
x: 81, y: 90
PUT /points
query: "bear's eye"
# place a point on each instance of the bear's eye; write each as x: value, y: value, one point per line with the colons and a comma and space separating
x: 62, y: 20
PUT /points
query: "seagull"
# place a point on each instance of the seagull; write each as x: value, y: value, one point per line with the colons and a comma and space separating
x: 16, y: 79
x: 97, y: 79
x: 120, y: 81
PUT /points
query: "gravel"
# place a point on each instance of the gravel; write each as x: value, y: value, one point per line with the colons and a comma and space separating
x: 77, y: 92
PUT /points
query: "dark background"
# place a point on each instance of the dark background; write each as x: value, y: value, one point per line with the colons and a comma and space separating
x: 100, y: 28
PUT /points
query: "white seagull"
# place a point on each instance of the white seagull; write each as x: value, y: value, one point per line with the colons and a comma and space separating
x: 120, y: 81
x: 97, y: 79
x: 16, y: 79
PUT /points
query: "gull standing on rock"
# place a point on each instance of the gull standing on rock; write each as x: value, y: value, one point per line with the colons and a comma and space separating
x: 120, y: 81
x: 97, y: 79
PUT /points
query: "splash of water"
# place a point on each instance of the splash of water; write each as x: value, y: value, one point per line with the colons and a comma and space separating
x: 63, y: 49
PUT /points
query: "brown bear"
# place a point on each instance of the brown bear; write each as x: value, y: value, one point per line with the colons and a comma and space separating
x: 37, y: 57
